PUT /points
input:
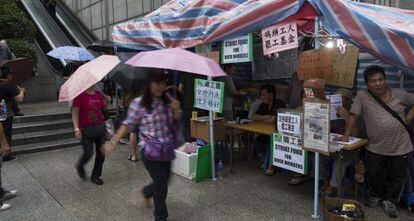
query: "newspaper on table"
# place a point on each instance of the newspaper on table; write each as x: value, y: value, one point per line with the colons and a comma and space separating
x: 336, y: 102
x: 335, y: 146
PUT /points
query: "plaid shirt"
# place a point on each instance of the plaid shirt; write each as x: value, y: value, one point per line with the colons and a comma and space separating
x: 152, y: 124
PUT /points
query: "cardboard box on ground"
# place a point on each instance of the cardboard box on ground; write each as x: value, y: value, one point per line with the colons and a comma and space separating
x: 200, y: 129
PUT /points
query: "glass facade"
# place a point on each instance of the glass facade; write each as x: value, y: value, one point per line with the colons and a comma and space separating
x: 92, y: 12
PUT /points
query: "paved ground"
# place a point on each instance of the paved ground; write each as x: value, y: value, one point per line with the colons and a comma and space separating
x: 50, y: 190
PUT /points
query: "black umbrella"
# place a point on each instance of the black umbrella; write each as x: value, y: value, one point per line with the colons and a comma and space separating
x: 130, y: 78
x: 108, y: 47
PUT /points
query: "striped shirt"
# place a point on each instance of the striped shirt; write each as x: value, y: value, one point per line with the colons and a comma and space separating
x: 151, y: 123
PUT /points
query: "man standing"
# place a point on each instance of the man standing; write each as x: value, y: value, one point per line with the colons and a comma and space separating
x: 9, y: 92
x: 389, y: 141
x: 4, y: 194
x: 230, y: 91
x: 7, y: 54
x: 186, y: 89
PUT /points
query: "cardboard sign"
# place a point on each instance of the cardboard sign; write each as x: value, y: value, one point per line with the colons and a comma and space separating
x: 237, y: 50
x: 289, y: 123
x: 279, y: 38
x: 316, y: 125
x: 344, y: 67
x: 315, y: 64
x: 208, y: 95
x: 287, y: 153
x: 214, y: 55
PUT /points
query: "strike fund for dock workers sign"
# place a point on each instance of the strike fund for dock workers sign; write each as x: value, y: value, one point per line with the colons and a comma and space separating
x: 288, y: 153
x: 237, y: 50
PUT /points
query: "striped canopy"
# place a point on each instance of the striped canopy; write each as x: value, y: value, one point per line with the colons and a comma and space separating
x: 387, y: 33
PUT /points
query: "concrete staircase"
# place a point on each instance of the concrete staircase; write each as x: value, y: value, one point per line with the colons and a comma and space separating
x: 36, y: 133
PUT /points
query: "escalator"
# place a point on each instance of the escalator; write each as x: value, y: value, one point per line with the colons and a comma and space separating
x: 82, y: 36
x: 49, y: 34
x: 64, y: 30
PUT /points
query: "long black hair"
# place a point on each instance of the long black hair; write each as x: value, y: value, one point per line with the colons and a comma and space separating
x: 157, y: 76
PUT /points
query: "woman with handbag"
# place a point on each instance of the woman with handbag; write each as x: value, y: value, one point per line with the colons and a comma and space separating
x: 88, y: 119
x: 154, y: 114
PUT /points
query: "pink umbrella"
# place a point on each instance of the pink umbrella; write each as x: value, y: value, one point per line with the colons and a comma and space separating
x: 177, y: 59
x: 87, y: 75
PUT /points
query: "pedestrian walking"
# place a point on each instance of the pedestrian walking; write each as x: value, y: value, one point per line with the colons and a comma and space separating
x: 154, y: 114
x: 89, y: 122
x: 383, y: 110
x: 4, y: 194
x: 9, y: 92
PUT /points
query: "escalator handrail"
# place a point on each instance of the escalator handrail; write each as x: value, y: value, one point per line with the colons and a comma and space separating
x: 88, y: 35
x: 64, y: 40
x: 44, y: 57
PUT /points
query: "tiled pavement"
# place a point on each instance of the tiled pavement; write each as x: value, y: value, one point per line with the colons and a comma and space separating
x: 50, y: 190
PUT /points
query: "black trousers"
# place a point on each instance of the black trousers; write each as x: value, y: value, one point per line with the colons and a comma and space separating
x: 8, y: 129
x: 386, y: 175
x: 14, y: 106
x: 90, y: 136
x: 187, y: 115
x: 158, y: 189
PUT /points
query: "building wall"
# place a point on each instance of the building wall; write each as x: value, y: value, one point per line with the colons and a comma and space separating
x: 405, y: 4
x: 92, y: 12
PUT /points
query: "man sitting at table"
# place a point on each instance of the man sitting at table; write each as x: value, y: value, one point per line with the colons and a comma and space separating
x: 266, y: 113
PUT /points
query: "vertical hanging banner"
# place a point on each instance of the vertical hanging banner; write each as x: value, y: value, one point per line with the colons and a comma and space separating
x: 288, y: 153
x: 208, y: 95
x: 237, y: 50
x: 280, y: 38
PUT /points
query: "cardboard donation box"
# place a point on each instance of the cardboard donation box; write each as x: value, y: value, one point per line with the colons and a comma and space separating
x: 185, y: 165
x: 200, y: 129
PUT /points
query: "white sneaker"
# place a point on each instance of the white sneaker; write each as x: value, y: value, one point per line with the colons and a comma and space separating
x: 5, y: 206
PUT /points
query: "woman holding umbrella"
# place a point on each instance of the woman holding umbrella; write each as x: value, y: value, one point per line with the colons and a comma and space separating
x: 89, y: 123
x: 153, y: 114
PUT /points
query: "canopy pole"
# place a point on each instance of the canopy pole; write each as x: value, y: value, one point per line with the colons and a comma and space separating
x: 316, y: 187
x: 213, y: 168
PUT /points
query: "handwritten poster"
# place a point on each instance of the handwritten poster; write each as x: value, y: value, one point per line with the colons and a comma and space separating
x: 316, y: 126
x: 279, y: 38
x: 214, y: 55
x: 208, y: 95
x: 237, y: 50
x: 344, y: 67
x: 289, y: 123
x: 315, y: 64
x: 336, y: 102
x: 288, y: 153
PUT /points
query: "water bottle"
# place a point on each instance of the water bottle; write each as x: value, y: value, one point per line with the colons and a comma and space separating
x: 3, y: 110
x: 220, y: 169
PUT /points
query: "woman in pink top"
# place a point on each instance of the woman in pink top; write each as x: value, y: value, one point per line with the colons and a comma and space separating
x: 89, y: 123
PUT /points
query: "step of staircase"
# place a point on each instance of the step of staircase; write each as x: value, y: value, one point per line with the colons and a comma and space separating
x: 42, y: 136
x: 45, y: 146
x: 41, y: 118
x: 42, y: 132
x: 21, y: 128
